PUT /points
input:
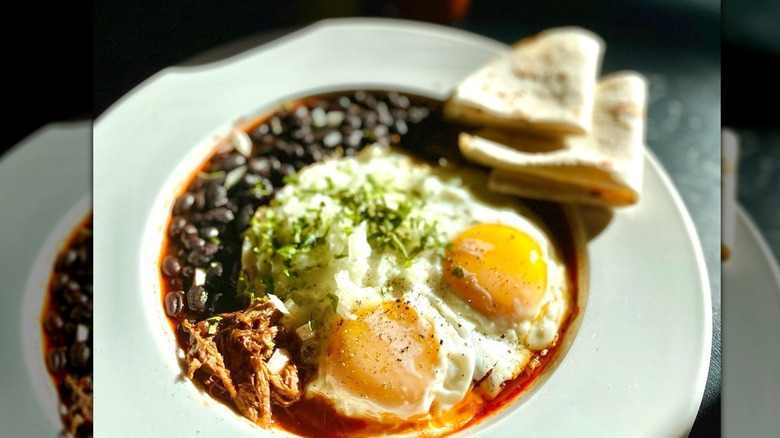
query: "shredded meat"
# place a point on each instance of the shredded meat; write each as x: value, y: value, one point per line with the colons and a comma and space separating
x: 231, y: 361
x: 77, y: 418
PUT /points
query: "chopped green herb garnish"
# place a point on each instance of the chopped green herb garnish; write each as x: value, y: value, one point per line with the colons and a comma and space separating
x: 334, y: 301
x: 458, y: 272
x: 213, y: 324
x: 268, y: 282
x: 212, y: 175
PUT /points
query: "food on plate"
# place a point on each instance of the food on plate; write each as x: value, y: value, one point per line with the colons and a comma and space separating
x: 554, y: 76
x: 729, y: 147
x: 67, y: 331
x: 545, y: 85
x: 327, y: 282
x: 603, y: 167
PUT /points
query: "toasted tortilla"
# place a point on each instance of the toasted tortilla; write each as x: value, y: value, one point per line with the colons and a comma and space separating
x: 603, y: 168
x: 545, y: 86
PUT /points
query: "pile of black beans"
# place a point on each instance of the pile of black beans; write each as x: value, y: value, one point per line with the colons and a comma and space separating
x: 67, y: 321
x: 202, y: 262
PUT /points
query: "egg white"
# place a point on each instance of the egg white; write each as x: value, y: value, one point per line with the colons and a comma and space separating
x: 474, y: 347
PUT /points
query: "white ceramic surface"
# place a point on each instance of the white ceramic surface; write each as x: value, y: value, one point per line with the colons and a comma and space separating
x: 44, y: 192
x: 751, y: 315
x: 637, y: 367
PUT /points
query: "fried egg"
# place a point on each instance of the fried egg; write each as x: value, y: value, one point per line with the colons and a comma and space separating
x: 409, y: 286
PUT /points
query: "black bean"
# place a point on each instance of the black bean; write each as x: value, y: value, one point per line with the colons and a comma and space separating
x: 275, y: 163
x: 298, y: 150
x: 198, y: 257
x: 286, y: 169
x: 335, y: 118
x: 301, y: 134
x: 261, y: 130
x: 184, y: 203
x: 319, y: 118
x: 210, y: 248
x: 244, y: 216
x: 383, y: 113
x: 73, y: 295
x: 171, y: 266
x: 219, y: 214
x: 200, y: 199
x: 174, y: 303
x: 332, y: 140
x: 344, y: 102
x: 81, y: 313
x: 176, y: 226
x: 381, y: 131
x: 301, y: 112
x: 80, y: 355
x: 216, y: 196
x: 354, y: 139
x: 370, y: 119
x: 215, y: 270
x: 232, y: 161
x: 196, y: 298
x: 192, y: 241
x: 276, y: 125
x: 315, y: 153
x: 260, y: 166
x: 84, y: 255
x: 53, y: 322
x: 209, y: 232
x: 175, y: 283
x: 401, y: 102
x: 353, y: 121
x: 69, y: 328
x: 60, y: 280
x: 400, y: 127
x: 417, y: 114
x: 67, y: 258
x: 187, y: 271
x: 57, y: 359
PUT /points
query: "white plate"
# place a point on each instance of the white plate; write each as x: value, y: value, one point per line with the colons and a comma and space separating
x: 44, y: 193
x: 751, y: 311
x: 637, y: 367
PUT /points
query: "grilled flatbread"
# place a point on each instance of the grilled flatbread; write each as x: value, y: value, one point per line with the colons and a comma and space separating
x: 545, y: 86
x: 602, y: 168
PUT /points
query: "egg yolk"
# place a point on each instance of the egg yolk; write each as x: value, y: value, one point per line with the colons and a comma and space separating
x: 386, y: 355
x: 498, y: 270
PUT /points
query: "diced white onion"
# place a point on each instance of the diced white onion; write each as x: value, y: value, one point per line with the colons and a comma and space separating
x: 82, y: 333
x: 304, y: 332
x: 200, y: 277
x: 234, y: 176
x: 278, y: 360
x: 278, y: 304
x: 242, y: 143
